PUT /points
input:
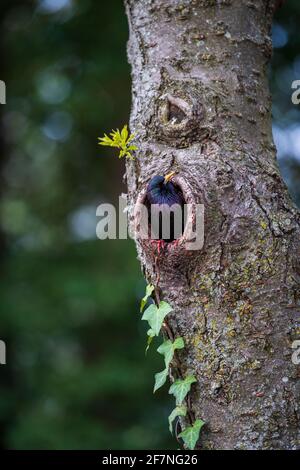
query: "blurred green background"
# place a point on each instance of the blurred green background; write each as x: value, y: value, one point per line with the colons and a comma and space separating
x: 76, y: 374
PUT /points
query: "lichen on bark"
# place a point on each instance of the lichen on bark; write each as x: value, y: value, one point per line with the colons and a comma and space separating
x: 201, y: 107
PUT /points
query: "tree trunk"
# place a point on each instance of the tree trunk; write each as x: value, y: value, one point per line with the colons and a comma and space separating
x: 201, y: 107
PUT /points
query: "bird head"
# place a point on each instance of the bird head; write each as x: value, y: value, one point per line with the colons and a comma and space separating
x: 161, y: 190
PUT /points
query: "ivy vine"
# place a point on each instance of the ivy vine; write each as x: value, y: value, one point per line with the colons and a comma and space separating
x: 155, y: 315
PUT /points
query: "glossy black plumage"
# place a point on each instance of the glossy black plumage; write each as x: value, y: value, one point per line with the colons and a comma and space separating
x: 162, y: 193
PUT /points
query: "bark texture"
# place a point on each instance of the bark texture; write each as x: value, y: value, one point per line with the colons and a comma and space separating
x: 201, y: 107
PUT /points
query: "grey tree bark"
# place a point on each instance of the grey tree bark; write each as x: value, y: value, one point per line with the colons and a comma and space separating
x: 201, y: 107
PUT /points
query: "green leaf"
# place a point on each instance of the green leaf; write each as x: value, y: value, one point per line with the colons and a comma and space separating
x: 130, y: 139
x: 119, y: 140
x: 132, y: 147
x: 178, y: 343
x: 178, y: 411
x: 160, y: 379
x: 190, y: 435
x: 106, y: 141
x: 149, y: 314
x: 150, y: 339
x: 149, y: 290
x: 155, y: 316
x: 181, y: 388
x: 124, y: 133
x: 167, y: 349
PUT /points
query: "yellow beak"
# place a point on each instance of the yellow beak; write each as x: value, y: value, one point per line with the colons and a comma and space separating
x: 169, y: 176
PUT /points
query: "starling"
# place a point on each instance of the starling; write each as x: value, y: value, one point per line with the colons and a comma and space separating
x: 165, y: 201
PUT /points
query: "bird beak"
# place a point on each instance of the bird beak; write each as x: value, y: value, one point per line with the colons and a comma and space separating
x: 169, y: 176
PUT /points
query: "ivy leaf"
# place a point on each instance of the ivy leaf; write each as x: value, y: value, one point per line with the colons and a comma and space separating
x: 160, y: 379
x: 190, y: 435
x: 181, y: 388
x: 167, y: 349
x: 178, y: 411
x: 150, y: 339
x: 149, y: 290
x: 178, y: 343
x: 155, y: 316
x: 149, y: 313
